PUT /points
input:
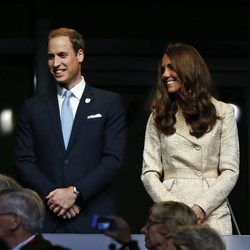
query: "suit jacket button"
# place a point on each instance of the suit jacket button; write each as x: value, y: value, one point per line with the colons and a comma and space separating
x: 66, y: 162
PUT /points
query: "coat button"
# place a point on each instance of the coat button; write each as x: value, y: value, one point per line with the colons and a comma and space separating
x: 198, y: 148
x: 199, y: 173
x: 66, y: 162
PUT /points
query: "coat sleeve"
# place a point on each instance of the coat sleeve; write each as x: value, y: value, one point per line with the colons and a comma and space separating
x: 228, y: 163
x: 152, y: 169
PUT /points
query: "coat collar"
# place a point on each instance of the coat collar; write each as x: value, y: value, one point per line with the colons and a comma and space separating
x: 183, y: 129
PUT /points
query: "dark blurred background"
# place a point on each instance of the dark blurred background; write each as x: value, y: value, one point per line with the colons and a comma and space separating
x: 124, y: 43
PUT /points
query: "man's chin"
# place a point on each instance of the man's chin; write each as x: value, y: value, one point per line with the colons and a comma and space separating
x: 61, y: 82
x: 59, y: 78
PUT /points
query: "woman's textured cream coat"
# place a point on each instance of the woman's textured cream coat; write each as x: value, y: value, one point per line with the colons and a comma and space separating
x: 200, y: 171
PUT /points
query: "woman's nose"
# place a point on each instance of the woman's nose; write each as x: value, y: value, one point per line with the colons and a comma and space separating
x: 166, y: 72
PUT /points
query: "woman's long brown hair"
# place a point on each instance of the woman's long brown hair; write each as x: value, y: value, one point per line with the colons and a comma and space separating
x: 194, y: 98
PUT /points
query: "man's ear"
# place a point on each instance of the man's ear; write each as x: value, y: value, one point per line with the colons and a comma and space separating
x: 15, y: 222
x: 80, y: 55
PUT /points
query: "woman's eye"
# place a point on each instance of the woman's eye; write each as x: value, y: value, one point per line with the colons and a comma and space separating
x: 170, y: 66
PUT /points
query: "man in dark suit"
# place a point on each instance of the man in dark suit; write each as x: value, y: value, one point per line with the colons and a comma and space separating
x: 74, y: 178
x: 21, y: 218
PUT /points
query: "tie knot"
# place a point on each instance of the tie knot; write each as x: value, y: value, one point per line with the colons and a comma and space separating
x: 68, y: 94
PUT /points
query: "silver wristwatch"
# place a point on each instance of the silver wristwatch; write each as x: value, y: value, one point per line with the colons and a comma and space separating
x: 76, y: 191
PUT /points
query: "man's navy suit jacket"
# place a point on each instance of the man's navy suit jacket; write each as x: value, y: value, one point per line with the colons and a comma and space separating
x: 94, y: 156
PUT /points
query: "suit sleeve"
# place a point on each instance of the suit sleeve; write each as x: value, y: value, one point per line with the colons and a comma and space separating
x: 25, y: 158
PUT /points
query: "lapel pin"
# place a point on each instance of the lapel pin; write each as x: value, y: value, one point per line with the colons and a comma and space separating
x: 87, y: 100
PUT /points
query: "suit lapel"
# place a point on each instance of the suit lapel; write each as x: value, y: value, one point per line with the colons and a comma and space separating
x: 53, y: 110
x: 38, y: 242
x: 86, y: 102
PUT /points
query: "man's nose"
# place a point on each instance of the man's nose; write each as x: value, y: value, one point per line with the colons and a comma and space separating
x: 56, y: 62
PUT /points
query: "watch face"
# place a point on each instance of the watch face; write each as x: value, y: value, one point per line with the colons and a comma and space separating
x: 76, y: 191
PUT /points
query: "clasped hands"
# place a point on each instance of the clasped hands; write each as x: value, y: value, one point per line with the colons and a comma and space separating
x: 62, y: 202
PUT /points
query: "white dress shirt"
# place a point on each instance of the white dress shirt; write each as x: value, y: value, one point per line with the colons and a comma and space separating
x: 75, y: 99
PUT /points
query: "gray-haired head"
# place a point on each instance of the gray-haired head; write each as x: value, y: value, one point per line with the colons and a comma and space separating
x: 173, y: 214
x: 8, y: 182
x: 198, y: 238
x: 26, y: 204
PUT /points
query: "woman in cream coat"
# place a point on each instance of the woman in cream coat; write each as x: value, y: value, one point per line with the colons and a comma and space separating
x: 191, y: 151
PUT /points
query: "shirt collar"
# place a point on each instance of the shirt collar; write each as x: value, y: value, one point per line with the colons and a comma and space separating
x: 76, y: 90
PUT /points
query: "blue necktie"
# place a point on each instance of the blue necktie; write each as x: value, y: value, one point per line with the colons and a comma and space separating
x: 66, y: 117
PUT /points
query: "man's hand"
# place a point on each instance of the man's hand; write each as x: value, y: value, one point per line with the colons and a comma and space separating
x: 72, y: 212
x: 61, y: 200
